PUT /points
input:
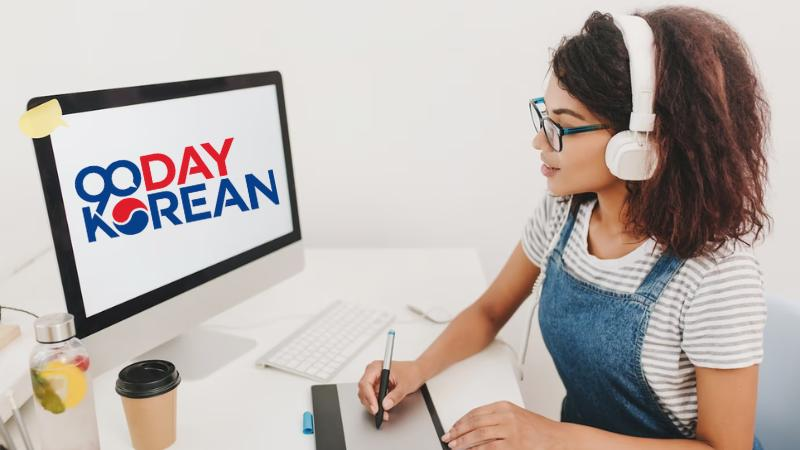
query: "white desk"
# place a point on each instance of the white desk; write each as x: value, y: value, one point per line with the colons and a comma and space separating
x: 243, y: 406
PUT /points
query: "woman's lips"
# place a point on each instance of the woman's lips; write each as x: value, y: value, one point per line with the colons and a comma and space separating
x: 549, y: 171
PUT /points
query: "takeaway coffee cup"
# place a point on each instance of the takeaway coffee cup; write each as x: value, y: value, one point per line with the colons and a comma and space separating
x: 149, y: 398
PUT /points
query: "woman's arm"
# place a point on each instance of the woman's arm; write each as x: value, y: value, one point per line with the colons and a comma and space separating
x: 475, y: 327
x: 726, y: 406
x: 726, y: 409
x: 471, y: 331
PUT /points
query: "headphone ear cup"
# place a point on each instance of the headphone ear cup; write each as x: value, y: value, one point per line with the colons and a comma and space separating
x: 627, y: 159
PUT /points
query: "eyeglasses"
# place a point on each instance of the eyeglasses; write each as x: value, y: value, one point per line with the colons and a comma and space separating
x: 553, y: 131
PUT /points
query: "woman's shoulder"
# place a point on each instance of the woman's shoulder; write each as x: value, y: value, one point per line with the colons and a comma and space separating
x: 722, y: 319
x: 715, y: 270
x: 732, y: 257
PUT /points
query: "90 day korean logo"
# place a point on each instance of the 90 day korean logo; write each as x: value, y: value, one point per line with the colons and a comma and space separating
x: 168, y: 198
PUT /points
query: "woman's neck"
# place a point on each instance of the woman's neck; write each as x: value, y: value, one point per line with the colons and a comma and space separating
x: 609, y: 234
x: 611, y: 209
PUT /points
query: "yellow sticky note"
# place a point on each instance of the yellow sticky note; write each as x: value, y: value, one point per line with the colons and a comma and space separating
x: 41, y: 120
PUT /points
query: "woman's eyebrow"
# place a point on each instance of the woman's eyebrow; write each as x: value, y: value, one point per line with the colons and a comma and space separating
x: 569, y: 112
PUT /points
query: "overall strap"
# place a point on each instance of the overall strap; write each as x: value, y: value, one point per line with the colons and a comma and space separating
x: 565, y: 232
x: 660, y: 275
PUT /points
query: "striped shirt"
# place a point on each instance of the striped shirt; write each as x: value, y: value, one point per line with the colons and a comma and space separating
x: 711, y: 314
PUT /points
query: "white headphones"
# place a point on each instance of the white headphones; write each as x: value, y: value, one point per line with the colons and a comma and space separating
x: 631, y: 154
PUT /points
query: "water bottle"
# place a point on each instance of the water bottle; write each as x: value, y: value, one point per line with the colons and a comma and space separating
x: 62, y: 386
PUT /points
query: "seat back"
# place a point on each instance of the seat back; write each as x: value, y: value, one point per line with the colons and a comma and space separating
x: 778, y: 411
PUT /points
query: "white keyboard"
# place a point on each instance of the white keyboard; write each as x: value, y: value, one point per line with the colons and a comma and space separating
x: 328, y: 341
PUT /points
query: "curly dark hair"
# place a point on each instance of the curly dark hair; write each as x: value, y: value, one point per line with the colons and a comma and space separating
x: 712, y: 125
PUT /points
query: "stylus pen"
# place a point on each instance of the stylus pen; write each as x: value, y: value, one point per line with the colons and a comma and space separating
x: 387, y: 364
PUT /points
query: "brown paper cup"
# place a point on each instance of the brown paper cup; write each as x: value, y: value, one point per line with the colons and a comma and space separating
x: 152, y: 421
x: 149, y: 397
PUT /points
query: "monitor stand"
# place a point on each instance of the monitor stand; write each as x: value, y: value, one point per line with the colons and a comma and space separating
x: 200, y: 351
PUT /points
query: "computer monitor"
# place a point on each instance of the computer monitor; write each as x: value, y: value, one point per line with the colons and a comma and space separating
x: 168, y: 203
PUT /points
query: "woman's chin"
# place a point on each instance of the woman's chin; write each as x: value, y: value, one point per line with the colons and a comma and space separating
x: 555, y: 189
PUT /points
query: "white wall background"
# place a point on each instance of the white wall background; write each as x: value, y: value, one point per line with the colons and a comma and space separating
x: 408, y: 120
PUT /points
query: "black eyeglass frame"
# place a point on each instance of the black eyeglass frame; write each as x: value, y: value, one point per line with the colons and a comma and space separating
x: 555, y: 132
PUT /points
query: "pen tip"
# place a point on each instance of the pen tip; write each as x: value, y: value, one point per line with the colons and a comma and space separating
x: 391, y: 332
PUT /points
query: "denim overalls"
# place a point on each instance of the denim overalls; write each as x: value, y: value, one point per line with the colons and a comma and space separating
x: 595, y: 339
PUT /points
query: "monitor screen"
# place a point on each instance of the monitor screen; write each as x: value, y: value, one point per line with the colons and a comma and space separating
x: 154, y: 190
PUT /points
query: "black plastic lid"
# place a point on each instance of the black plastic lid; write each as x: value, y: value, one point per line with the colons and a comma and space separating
x: 146, y: 379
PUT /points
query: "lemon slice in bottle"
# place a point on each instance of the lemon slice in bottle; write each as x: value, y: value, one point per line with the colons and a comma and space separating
x: 67, y: 380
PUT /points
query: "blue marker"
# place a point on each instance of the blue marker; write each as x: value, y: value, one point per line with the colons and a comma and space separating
x: 387, y: 364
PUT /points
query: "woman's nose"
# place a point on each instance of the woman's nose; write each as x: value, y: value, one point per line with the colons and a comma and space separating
x: 539, y: 141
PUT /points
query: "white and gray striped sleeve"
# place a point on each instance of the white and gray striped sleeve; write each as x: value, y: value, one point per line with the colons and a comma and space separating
x: 723, y: 325
x: 540, y: 227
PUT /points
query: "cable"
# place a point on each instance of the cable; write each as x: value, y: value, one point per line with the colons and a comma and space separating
x: 15, y: 309
x: 428, y: 314
x: 527, y: 338
x: 536, y: 291
x: 21, y: 426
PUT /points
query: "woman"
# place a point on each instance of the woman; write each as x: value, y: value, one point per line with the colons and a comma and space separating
x: 652, y: 307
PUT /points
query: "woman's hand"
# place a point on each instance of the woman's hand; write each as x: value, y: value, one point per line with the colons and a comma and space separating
x: 503, y: 425
x: 405, y: 377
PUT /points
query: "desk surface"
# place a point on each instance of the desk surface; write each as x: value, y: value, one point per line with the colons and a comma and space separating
x: 240, y: 405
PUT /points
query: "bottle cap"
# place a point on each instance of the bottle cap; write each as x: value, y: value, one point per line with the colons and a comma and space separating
x: 308, y: 423
x: 145, y: 379
x: 52, y: 328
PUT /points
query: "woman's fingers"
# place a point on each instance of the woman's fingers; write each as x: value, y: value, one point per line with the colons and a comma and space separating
x: 487, y: 409
x: 402, y: 381
x: 470, y: 423
x: 366, y: 386
x: 469, y: 419
x: 394, y: 397
x: 478, y: 436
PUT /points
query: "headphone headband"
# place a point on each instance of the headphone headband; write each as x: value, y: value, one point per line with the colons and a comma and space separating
x: 638, y: 38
